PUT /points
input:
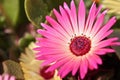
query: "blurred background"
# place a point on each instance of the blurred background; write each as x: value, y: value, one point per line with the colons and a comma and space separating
x: 19, y: 20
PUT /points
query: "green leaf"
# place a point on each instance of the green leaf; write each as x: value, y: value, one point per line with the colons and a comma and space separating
x: 25, y: 41
x: 13, y: 68
x: 36, y: 11
x: 11, y: 8
x: 55, y: 3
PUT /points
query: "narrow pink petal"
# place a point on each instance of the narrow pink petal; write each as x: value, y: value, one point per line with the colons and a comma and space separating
x: 37, y: 49
x: 41, y: 39
x: 105, y: 28
x: 78, y: 78
x: 52, y: 52
x: 98, y: 24
x: 52, y: 45
x: 92, y: 17
x: 39, y: 57
x: 50, y: 36
x: 115, y: 43
x: 83, y: 67
x: 98, y: 10
x: 105, y: 43
x: 106, y: 50
x: 48, y: 56
x: 72, y: 15
x: 65, y: 18
x: 105, y: 35
x: 65, y: 69
x: 62, y: 20
x: 53, y: 59
x: 90, y: 67
x: 81, y: 16
x: 76, y: 66
x: 12, y: 78
x: 59, y: 64
x: 97, y: 59
x: 0, y: 77
x: 46, y: 48
x: 51, y: 30
x: 100, y: 53
x: 57, y: 26
x: 6, y: 77
x: 91, y: 61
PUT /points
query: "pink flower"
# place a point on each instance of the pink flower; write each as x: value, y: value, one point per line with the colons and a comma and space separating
x: 72, y: 43
x: 6, y: 77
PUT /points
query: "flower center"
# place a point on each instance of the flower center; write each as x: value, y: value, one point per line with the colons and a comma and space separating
x: 47, y: 75
x: 80, y: 45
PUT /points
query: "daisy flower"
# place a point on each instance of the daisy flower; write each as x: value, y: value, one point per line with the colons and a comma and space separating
x: 73, y: 42
x: 113, y: 5
x: 31, y: 67
x: 6, y: 77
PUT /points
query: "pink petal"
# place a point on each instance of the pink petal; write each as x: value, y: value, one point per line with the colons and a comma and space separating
x: 54, y: 59
x: 51, y: 52
x: 39, y: 40
x: 105, y: 43
x: 57, y: 26
x: 104, y: 28
x: 65, y: 69
x: 97, y: 59
x: 0, y: 77
x: 72, y: 16
x: 98, y: 24
x: 104, y: 51
x: 39, y: 57
x: 59, y: 64
x: 51, y: 30
x: 12, y: 78
x: 63, y: 20
x: 105, y: 35
x: 98, y: 10
x: 50, y: 36
x: 115, y: 43
x: 76, y: 66
x: 37, y: 49
x: 83, y: 67
x: 90, y: 20
x: 92, y: 62
x: 66, y: 19
x: 6, y: 77
x: 52, y: 45
x: 81, y: 16
x: 90, y: 67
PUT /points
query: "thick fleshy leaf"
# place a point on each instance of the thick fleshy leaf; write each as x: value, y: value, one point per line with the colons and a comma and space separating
x: 11, y: 9
x: 36, y: 11
x: 13, y: 68
x: 24, y: 41
x: 55, y: 3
